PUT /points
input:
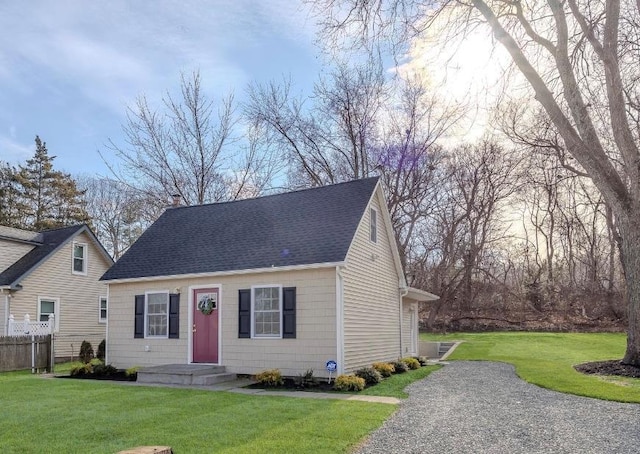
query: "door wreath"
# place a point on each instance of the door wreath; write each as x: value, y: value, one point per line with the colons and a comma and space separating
x: 207, y: 304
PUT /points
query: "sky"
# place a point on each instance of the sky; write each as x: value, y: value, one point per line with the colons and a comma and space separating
x: 69, y: 69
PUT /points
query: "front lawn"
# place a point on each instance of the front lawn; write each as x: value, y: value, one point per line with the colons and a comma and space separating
x: 547, y: 359
x: 53, y: 415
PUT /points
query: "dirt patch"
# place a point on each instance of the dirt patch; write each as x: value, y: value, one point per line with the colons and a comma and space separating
x: 612, y: 367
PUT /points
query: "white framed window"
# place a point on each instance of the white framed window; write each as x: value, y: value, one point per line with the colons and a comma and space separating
x: 157, y: 314
x: 266, y: 308
x: 373, y: 225
x: 102, y: 309
x: 79, y: 259
x: 49, y: 306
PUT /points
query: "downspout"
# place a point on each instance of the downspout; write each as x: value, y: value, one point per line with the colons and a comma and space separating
x: 339, y: 320
x: 403, y: 293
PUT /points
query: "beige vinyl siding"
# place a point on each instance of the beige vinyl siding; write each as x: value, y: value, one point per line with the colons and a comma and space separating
x: 78, y: 296
x: 314, y: 345
x: 11, y: 252
x: 371, y: 295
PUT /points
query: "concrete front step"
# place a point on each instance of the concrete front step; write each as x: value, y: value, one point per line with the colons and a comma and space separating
x: 184, y: 374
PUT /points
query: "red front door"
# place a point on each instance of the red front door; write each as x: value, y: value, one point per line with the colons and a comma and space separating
x: 205, y: 325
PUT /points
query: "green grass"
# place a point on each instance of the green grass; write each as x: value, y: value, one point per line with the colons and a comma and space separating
x: 547, y: 359
x: 55, y: 415
x: 394, y: 386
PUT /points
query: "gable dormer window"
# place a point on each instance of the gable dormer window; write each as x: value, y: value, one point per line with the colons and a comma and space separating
x: 79, y: 258
x: 373, y: 225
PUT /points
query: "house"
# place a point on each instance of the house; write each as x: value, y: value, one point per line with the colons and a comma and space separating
x: 55, y: 272
x: 288, y: 281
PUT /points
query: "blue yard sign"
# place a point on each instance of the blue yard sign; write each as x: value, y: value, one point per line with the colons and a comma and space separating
x: 332, y: 366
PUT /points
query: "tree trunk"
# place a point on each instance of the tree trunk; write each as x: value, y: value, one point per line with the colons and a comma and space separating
x: 630, y: 256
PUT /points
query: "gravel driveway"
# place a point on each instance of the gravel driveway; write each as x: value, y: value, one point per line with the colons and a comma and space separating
x: 483, y: 407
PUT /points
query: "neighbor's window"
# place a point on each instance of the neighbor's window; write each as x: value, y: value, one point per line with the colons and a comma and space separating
x: 157, y: 314
x: 267, y: 311
x: 373, y: 231
x: 46, y: 307
x: 102, y: 310
x: 79, y: 258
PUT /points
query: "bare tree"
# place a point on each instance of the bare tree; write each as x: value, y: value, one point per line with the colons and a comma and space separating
x: 569, y: 52
x: 119, y: 214
x: 188, y: 149
x: 325, y: 138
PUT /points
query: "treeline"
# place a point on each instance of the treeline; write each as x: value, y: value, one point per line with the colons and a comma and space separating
x: 508, y: 232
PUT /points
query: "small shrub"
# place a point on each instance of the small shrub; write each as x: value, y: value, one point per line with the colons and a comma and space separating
x: 370, y: 375
x: 423, y: 360
x: 104, y: 370
x: 306, y: 380
x: 400, y: 367
x: 132, y: 371
x: 102, y: 348
x: 349, y: 383
x: 411, y: 363
x: 79, y: 369
x: 385, y: 369
x: 270, y: 377
x: 86, y: 352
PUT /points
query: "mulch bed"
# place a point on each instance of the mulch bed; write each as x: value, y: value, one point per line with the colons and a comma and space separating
x: 117, y: 376
x: 612, y: 367
x: 290, y: 385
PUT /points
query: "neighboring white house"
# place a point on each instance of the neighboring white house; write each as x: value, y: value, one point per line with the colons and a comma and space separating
x: 287, y: 281
x: 55, y: 272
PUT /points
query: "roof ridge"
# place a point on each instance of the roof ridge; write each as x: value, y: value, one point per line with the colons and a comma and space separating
x: 279, y: 194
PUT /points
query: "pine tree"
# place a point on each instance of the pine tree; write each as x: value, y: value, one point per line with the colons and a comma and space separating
x: 47, y: 198
x: 9, y: 206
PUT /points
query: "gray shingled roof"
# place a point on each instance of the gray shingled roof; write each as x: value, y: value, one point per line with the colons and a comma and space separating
x: 296, y: 228
x: 50, y: 241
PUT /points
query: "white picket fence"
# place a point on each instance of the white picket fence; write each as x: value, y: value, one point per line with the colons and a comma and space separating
x: 29, y: 328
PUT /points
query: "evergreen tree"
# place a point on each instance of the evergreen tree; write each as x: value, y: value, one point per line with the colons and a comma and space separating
x: 9, y: 206
x: 47, y: 198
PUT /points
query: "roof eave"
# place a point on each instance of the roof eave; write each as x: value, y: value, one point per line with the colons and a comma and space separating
x: 420, y: 296
x: 271, y: 269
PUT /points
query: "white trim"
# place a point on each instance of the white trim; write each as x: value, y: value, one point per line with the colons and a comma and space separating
x: 85, y: 258
x: 100, y: 319
x: 191, y: 302
x: 106, y: 331
x: 56, y: 311
x: 270, y: 269
x: 339, y: 320
x: 146, y: 312
x: 280, y: 304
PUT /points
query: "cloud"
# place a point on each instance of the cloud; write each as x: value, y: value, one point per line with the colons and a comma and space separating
x: 13, y: 151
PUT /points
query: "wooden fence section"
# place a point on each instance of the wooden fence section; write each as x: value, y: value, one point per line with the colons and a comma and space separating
x: 25, y: 352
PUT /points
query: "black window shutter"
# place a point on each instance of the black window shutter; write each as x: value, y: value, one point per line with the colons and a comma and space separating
x: 289, y: 313
x: 174, y: 316
x: 138, y: 323
x: 244, y: 313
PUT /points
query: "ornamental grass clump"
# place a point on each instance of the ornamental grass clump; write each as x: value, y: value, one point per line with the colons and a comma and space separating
x: 423, y: 360
x: 269, y: 377
x: 385, y: 369
x: 411, y: 363
x: 349, y: 382
x: 400, y: 367
x: 370, y: 375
